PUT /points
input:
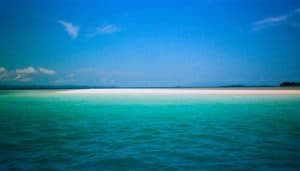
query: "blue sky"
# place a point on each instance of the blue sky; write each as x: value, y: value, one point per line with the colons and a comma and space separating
x: 149, y: 43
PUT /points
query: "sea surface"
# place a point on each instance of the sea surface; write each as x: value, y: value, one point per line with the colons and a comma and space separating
x: 48, y: 130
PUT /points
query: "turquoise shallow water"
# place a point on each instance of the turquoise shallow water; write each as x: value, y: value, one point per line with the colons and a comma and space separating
x: 47, y: 130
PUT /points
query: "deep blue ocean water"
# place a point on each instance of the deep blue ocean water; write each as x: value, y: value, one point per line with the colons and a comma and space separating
x: 46, y: 130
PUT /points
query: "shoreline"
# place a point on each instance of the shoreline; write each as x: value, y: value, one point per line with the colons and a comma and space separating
x: 185, y: 91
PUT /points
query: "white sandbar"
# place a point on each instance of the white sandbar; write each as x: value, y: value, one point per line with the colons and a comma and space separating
x: 186, y: 91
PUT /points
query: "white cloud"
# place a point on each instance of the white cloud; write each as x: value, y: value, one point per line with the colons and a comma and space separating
x: 3, y: 73
x: 274, y: 20
x: 106, y: 29
x: 47, y: 71
x: 270, y: 21
x: 24, y: 74
x: 2, y: 69
x: 28, y: 70
x: 70, y: 28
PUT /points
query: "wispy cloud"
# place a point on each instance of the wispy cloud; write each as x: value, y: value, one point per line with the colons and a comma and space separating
x: 3, y: 73
x: 106, y: 29
x: 273, y: 20
x: 25, y: 74
x: 25, y: 79
x: 70, y: 28
x: 28, y: 70
x: 47, y: 71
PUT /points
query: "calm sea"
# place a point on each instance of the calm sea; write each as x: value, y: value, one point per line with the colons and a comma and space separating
x: 46, y: 130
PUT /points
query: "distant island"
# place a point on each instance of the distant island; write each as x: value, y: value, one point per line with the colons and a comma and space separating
x: 37, y: 87
x: 290, y: 84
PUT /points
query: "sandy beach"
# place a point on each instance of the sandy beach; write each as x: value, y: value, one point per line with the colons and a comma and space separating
x: 186, y: 91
